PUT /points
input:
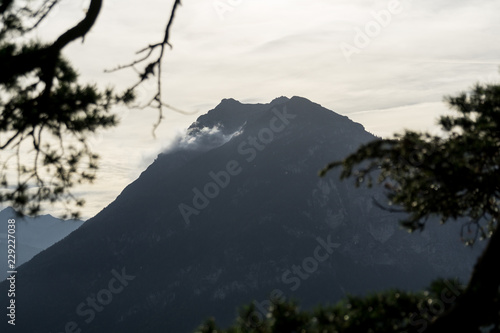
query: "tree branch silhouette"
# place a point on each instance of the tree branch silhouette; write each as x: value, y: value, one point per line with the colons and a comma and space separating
x: 152, y: 66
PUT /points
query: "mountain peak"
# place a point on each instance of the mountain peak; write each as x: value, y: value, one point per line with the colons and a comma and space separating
x: 9, y: 211
x: 279, y: 100
x: 229, y: 101
x: 230, y: 115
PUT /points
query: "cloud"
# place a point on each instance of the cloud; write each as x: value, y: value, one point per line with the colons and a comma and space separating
x: 418, y: 117
x: 203, y: 139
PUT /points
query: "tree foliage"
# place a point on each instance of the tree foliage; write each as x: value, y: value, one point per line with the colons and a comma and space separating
x: 389, y: 311
x: 46, y: 114
x: 451, y: 176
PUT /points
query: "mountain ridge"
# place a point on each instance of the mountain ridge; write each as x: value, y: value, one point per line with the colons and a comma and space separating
x: 32, y: 234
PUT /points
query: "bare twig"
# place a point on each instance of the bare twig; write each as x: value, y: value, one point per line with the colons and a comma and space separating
x: 389, y: 209
x: 42, y: 13
x: 152, y: 66
x: 10, y: 140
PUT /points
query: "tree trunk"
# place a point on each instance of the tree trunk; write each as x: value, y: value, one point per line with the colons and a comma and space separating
x: 476, y: 306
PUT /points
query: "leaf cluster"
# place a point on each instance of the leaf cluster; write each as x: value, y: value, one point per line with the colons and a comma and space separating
x: 450, y: 176
x: 389, y: 311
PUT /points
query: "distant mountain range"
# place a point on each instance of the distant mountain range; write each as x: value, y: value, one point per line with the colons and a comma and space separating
x: 33, y: 235
x: 233, y: 213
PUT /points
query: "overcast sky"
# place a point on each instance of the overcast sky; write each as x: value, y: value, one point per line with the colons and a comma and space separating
x: 384, y: 63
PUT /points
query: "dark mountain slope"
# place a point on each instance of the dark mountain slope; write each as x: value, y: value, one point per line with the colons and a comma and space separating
x: 233, y: 213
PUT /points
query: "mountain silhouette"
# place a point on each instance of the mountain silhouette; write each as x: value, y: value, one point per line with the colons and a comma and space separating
x: 234, y: 212
x: 33, y: 234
